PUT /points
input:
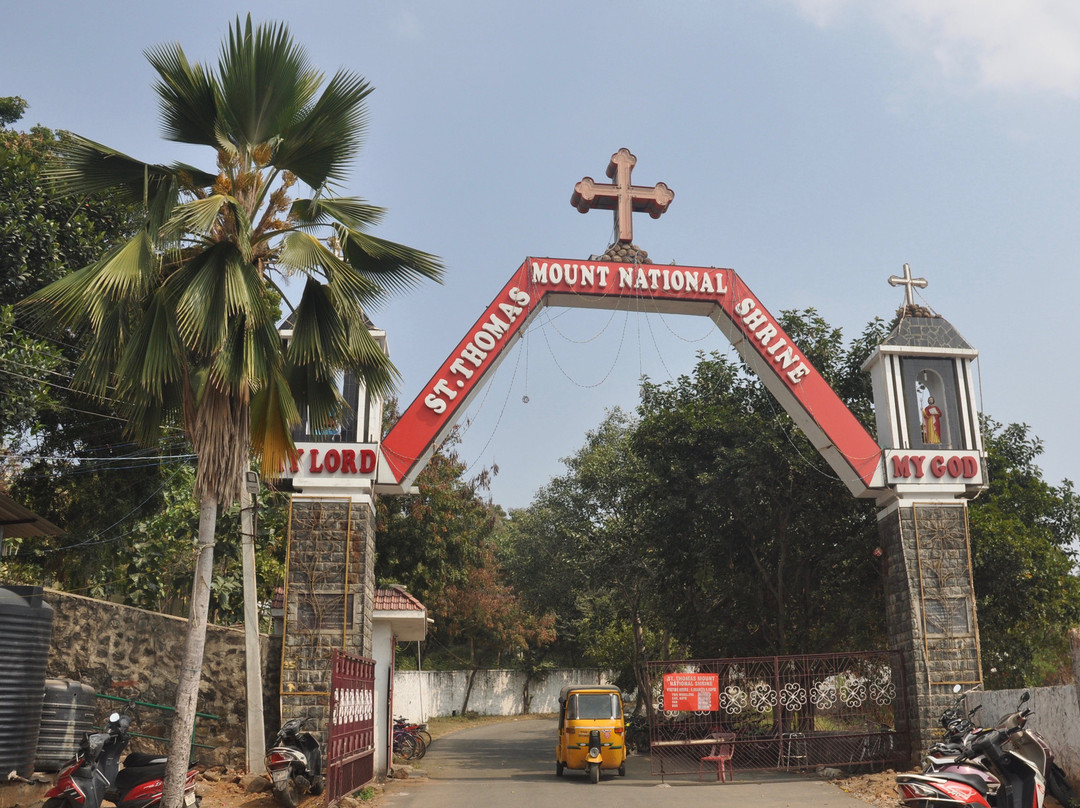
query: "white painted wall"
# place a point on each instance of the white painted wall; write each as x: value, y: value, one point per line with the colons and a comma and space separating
x: 418, y: 695
x: 382, y: 651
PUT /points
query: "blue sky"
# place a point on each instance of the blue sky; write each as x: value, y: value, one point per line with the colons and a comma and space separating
x: 814, y: 146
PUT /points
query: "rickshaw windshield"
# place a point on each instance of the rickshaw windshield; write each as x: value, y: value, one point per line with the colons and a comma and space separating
x: 592, y: 706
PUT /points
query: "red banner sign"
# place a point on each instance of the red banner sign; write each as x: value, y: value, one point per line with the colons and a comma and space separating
x: 716, y: 293
x: 693, y: 692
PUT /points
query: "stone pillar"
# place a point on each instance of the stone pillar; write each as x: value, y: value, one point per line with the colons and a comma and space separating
x: 329, y: 594
x: 930, y: 608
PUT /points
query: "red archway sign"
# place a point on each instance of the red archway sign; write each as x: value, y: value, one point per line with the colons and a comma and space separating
x: 719, y: 294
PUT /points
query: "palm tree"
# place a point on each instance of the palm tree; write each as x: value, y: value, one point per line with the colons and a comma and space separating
x: 180, y: 321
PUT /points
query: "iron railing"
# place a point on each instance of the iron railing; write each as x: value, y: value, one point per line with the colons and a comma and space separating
x: 168, y: 712
x: 786, y: 712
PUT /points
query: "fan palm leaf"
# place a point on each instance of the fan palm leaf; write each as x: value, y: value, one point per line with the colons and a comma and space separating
x: 265, y: 83
x: 187, y: 97
x: 394, y: 267
x: 352, y: 212
x: 319, y: 146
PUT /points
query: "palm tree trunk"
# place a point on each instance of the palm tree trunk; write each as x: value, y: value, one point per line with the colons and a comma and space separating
x: 187, y: 690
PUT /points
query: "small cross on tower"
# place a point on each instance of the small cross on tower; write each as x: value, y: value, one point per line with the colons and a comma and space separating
x: 909, y: 282
x: 622, y: 197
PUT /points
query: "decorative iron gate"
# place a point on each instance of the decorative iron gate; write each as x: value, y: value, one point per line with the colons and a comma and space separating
x: 788, y: 712
x: 350, y: 746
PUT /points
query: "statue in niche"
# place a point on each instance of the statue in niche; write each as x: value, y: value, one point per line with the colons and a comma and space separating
x: 931, y: 422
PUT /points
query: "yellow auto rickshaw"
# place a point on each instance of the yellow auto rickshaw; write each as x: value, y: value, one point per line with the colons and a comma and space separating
x: 592, y: 735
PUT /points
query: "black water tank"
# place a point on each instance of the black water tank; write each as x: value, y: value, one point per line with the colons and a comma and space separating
x: 25, y: 633
x: 66, y: 714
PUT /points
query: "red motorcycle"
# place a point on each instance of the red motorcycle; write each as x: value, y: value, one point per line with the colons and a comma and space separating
x: 94, y: 774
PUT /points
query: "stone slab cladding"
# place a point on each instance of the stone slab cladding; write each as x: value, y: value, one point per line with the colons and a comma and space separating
x: 328, y: 598
x: 132, y: 653
x: 930, y: 607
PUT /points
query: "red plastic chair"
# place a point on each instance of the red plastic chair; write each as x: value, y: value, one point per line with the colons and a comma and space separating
x: 721, y: 754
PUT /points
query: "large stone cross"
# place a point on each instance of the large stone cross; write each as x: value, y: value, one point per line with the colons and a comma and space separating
x: 909, y: 282
x: 622, y: 197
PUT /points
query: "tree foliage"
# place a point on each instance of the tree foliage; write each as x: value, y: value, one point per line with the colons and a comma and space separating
x: 41, y: 238
x: 439, y: 544
x: 708, y: 525
x: 11, y: 109
x: 65, y: 456
x: 766, y: 552
x: 1023, y: 535
x: 579, y: 551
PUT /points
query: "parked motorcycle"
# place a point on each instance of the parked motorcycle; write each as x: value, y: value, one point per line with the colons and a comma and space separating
x: 947, y: 754
x: 295, y: 763
x: 1008, y: 766
x: 94, y: 774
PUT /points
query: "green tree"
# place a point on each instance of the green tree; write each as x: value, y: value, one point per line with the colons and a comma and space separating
x: 426, y: 541
x: 579, y: 552
x: 1023, y: 537
x: 743, y: 541
x: 180, y: 320
x: 63, y: 456
x: 11, y: 109
x: 41, y: 238
x: 766, y: 552
x: 707, y: 525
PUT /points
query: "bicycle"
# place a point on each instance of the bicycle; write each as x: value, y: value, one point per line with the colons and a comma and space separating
x: 408, y: 744
x: 416, y: 730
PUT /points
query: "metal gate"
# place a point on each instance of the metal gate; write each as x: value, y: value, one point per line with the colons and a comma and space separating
x: 786, y: 712
x: 350, y: 746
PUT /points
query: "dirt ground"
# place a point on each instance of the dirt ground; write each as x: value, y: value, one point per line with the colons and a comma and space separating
x: 223, y: 789
x: 875, y: 789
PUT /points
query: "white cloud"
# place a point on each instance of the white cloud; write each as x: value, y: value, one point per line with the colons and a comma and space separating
x: 1016, y: 45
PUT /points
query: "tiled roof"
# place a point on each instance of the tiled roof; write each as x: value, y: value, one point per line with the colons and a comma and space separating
x: 397, y: 599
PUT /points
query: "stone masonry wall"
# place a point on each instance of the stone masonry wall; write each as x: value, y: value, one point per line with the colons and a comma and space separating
x: 135, y: 654
x: 329, y: 592
x: 930, y: 608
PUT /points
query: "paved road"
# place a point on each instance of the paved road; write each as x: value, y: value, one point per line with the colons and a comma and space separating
x: 514, y: 763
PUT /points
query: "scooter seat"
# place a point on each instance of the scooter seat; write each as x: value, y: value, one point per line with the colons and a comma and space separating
x: 143, y: 759
x: 972, y: 780
x: 131, y: 776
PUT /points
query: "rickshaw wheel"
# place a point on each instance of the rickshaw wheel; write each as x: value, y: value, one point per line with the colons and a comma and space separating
x: 594, y: 773
x: 622, y: 770
x: 559, y: 768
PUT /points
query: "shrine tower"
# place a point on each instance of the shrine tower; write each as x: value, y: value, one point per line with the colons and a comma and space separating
x: 928, y: 429
x: 330, y: 563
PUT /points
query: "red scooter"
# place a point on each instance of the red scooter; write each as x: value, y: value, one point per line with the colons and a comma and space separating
x: 95, y: 775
